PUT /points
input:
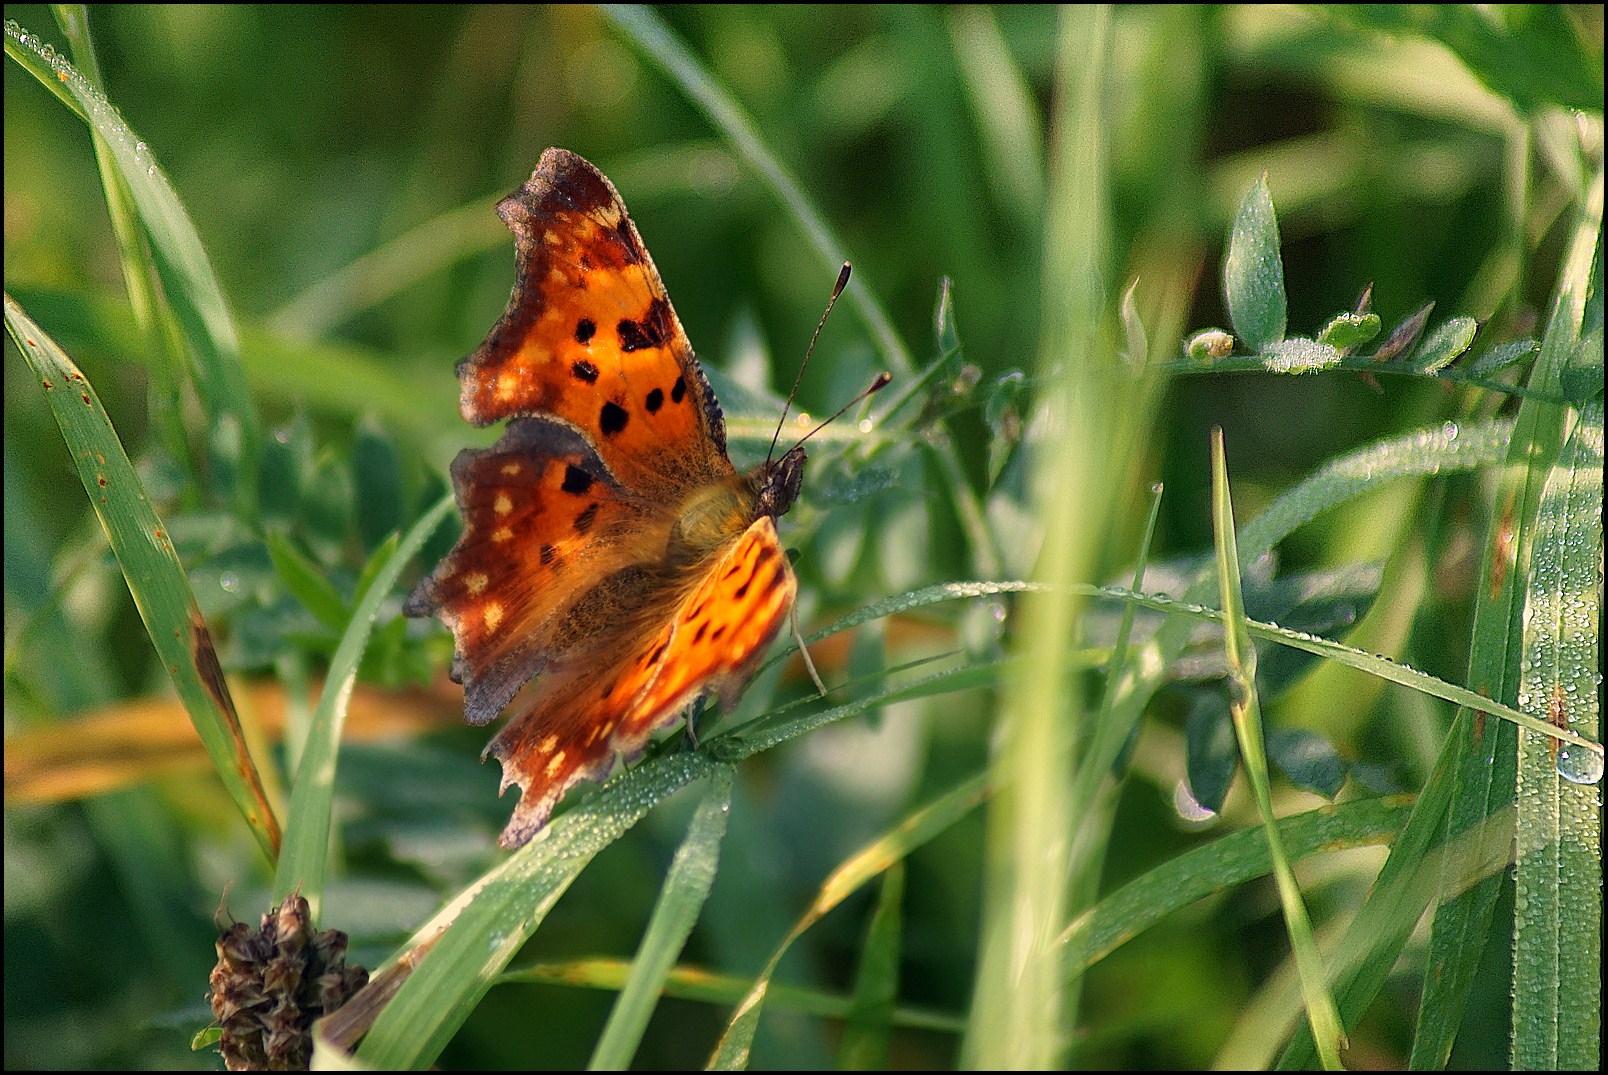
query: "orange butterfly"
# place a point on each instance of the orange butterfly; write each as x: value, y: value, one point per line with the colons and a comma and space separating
x: 608, y: 543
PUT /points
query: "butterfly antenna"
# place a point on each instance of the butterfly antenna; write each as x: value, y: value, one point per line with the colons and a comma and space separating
x: 842, y: 282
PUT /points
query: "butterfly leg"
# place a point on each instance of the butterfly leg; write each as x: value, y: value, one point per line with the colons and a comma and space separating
x: 692, y: 722
x: 804, y: 651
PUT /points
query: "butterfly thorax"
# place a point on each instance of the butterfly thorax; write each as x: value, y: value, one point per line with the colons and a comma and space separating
x: 713, y: 516
x: 710, y: 518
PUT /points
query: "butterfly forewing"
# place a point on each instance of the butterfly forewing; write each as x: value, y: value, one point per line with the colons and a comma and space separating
x: 591, y: 338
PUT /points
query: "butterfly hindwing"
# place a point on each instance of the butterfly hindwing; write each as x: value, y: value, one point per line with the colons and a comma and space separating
x: 730, y: 612
x: 543, y: 526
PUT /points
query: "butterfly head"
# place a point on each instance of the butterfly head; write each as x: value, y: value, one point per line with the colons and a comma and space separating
x: 779, y: 483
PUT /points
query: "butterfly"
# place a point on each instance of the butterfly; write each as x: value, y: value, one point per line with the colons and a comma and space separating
x: 610, y: 550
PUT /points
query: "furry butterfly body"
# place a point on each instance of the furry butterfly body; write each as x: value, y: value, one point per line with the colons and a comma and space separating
x: 610, y: 550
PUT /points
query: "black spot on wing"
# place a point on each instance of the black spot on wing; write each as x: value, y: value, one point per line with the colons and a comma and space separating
x: 585, y: 329
x: 655, y: 400
x: 678, y: 391
x: 654, y: 329
x: 584, y: 370
x: 612, y: 418
x: 576, y: 480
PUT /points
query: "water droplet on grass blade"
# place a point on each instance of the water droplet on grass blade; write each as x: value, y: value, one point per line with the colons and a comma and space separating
x: 1579, y: 765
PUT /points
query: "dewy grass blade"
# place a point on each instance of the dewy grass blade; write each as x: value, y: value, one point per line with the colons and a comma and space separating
x: 159, y: 330
x: 1485, y: 779
x: 1246, y: 709
x: 155, y: 577
x: 185, y: 272
x: 1227, y: 861
x: 1557, y: 950
x: 681, y: 899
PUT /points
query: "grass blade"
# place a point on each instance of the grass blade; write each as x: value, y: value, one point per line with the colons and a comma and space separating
x: 1485, y: 781
x: 660, y: 44
x: 686, y: 887
x: 155, y: 577
x: 695, y: 983
x: 306, y: 853
x: 187, y: 280
x: 1021, y: 1007
x: 1557, y: 950
x: 1241, y: 658
x: 1227, y: 861
x: 731, y: 1054
x: 876, y: 988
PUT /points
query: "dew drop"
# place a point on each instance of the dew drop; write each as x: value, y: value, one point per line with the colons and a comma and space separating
x: 229, y: 582
x: 1579, y: 765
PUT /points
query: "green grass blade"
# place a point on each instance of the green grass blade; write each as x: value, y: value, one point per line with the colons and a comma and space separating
x: 158, y: 328
x: 1557, y: 951
x: 681, y: 899
x: 418, y: 254
x: 1241, y: 660
x: 731, y: 1054
x: 1485, y: 779
x: 659, y: 43
x: 1227, y: 861
x: 187, y: 280
x: 306, y: 854
x: 155, y: 577
x: 472, y: 940
x: 1008, y: 124
x: 876, y: 986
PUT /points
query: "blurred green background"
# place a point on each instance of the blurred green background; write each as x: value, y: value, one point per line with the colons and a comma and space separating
x: 303, y: 139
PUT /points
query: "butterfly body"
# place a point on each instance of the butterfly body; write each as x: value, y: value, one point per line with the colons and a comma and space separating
x: 612, y: 557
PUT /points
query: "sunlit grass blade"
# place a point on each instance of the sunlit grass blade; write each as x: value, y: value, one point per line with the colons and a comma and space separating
x: 657, y: 41
x: 876, y: 985
x: 306, y: 854
x: 187, y: 281
x: 731, y: 1054
x: 681, y: 899
x: 1370, y: 663
x: 695, y: 983
x: 1007, y: 118
x: 1246, y: 708
x: 1370, y: 939
x: 1022, y: 1008
x: 155, y: 577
